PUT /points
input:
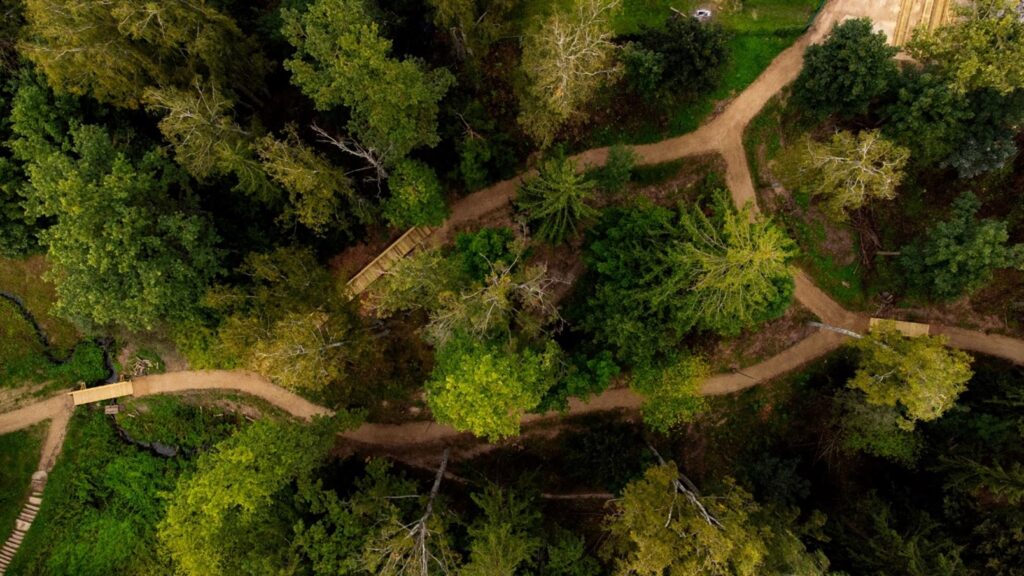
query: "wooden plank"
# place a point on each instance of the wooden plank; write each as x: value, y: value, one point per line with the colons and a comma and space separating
x: 100, y: 393
x: 407, y: 243
x: 909, y: 329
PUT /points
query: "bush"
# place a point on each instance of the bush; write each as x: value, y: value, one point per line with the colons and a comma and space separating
x: 613, y: 177
x: 416, y: 196
x: 686, y: 57
x: 477, y: 251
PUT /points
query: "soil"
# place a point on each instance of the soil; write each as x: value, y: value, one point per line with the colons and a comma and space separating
x: 770, y: 339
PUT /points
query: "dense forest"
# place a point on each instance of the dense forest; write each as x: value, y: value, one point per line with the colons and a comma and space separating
x: 192, y: 184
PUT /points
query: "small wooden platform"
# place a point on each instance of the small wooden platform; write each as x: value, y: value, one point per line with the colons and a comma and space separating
x: 100, y: 393
x: 909, y: 329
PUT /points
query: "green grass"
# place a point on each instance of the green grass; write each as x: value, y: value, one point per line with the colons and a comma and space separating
x: 174, y: 422
x: 22, y: 356
x: 19, y: 457
x: 23, y: 278
x: 841, y: 281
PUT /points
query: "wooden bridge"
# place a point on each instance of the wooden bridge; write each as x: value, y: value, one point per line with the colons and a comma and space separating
x: 405, y: 245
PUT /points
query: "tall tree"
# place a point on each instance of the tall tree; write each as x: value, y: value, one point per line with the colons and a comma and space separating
x: 318, y: 191
x: 731, y: 270
x: 919, y: 375
x: 485, y: 389
x: 851, y: 170
x: 556, y: 199
x: 663, y: 525
x: 983, y: 47
x: 127, y: 246
x: 342, y: 59
x: 114, y: 50
x: 226, y: 518
x: 505, y: 537
x: 958, y: 255
x: 199, y: 122
x: 685, y: 57
x: 291, y: 323
x: 847, y: 72
x: 565, y: 61
x: 473, y: 25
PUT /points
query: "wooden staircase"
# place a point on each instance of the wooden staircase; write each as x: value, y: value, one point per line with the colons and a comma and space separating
x: 386, y: 260
x: 24, y: 521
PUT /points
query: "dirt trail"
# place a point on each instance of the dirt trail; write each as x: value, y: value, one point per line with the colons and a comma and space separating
x: 723, y: 135
x: 239, y: 380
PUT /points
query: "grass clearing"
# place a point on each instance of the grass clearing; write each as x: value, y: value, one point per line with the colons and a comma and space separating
x: 759, y: 32
x: 19, y: 457
x: 24, y: 279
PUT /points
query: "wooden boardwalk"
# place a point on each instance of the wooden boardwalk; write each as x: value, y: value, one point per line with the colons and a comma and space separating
x: 405, y: 245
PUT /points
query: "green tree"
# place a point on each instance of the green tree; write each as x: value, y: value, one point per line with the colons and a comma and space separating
x: 671, y: 391
x: 982, y: 48
x: 849, y: 71
x: 485, y: 389
x: 198, y: 121
x: 565, y: 60
x: 473, y: 25
x: 292, y: 324
x: 555, y: 201
x: 731, y: 271
x: 504, y: 538
x: 385, y: 527
x: 957, y: 256
x: 317, y: 190
x: 918, y: 375
x: 617, y: 171
x: 874, y: 429
x: 663, y: 525
x: 127, y: 245
x: 114, y: 50
x: 685, y: 56
x: 1005, y: 483
x: 341, y: 59
x: 227, y: 517
x: 851, y: 170
x: 416, y: 196
x: 622, y: 260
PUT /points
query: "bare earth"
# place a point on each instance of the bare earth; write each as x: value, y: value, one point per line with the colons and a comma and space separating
x: 724, y: 136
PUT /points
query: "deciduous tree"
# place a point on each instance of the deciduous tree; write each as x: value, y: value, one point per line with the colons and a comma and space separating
x: 851, y: 170
x: 485, y: 388
x: 982, y: 47
x: 320, y: 194
x: 919, y: 375
x: 342, y: 59
x: 663, y: 525
x: 685, y: 57
x: 128, y: 245
x: 847, y: 72
x: 225, y: 518
x: 671, y: 390
x: 114, y: 50
x: 565, y: 61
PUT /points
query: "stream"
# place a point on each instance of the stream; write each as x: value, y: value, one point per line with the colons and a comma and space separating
x: 104, y: 344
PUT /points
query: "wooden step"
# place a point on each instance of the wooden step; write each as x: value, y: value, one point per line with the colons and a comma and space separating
x: 36, y: 499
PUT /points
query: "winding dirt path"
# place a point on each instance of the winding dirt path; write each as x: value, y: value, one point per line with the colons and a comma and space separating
x: 723, y: 135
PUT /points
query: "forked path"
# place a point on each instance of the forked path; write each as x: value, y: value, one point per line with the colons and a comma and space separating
x: 722, y: 135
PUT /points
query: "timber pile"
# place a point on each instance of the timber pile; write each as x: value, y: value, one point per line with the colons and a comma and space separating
x: 917, y: 13
x: 405, y: 245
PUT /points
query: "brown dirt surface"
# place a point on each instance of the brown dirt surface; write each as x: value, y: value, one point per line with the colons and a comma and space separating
x: 770, y: 339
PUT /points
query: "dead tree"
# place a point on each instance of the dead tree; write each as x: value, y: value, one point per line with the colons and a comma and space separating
x: 682, y: 485
x: 412, y: 549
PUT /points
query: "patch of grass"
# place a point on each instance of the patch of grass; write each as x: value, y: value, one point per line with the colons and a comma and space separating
x: 172, y: 421
x: 841, y: 281
x: 651, y: 174
x: 84, y: 365
x: 758, y: 33
x: 24, y: 279
x: 19, y: 457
